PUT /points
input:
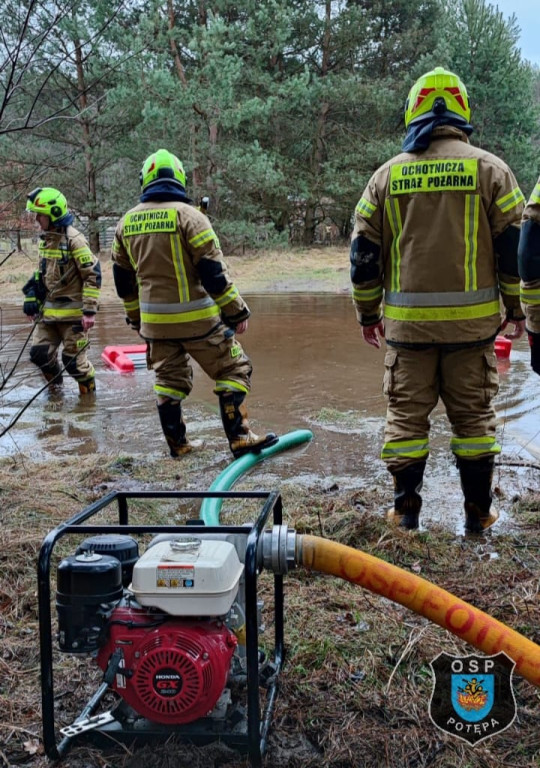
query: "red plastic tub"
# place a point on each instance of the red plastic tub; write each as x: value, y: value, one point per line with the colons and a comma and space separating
x: 125, y: 357
x: 503, y: 347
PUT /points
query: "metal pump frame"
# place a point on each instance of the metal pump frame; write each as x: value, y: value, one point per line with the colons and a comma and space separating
x: 253, y: 742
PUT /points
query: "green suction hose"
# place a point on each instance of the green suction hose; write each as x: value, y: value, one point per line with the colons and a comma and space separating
x: 210, y: 508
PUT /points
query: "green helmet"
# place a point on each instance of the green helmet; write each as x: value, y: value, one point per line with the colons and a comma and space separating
x: 162, y: 165
x: 436, y: 93
x: 49, y: 201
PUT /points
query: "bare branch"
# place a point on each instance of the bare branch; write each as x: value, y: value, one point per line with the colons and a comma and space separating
x: 16, y: 78
x: 14, y: 58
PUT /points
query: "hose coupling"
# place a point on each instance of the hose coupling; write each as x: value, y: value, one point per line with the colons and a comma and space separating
x: 277, y: 550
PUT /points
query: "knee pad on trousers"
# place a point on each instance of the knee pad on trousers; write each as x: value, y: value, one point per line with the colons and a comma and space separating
x: 40, y: 356
x: 70, y: 364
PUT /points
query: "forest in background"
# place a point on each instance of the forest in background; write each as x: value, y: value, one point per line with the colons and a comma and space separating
x: 279, y: 109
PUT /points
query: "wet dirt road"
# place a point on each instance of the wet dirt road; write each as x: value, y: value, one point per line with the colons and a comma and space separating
x: 311, y: 371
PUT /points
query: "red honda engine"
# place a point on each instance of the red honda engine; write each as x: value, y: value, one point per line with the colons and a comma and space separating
x: 173, y: 673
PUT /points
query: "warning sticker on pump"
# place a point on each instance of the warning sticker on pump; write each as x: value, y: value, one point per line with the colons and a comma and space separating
x: 175, y: 576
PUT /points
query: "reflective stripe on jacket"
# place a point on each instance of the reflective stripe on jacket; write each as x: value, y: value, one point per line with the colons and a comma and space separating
x: 171, y: 248
x: 71, y: 274
x: 435, y: 214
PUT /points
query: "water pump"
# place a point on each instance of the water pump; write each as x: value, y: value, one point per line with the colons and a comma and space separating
x: 174, y: 629
x: 174, y: 625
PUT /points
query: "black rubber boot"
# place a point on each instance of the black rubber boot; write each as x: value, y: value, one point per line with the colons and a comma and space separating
x: 87, y: 386
x: 53, y: 375
x: 407, y: 500
x: 476, y: 479
x: 236, y: 425
x: 45, y: 358
x: 174, y: 429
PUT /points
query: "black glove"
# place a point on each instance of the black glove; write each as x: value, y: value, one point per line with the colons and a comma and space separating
x: 34, y: 295
x: 534, y: 344
x: 136, y: 325
x: 35, y: 287
x: 31, y: 306
x: 232, y: 322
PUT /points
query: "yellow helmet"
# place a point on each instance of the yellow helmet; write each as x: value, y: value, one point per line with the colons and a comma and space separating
x: 162, y: 165
x: 436, y: 93
x: 49, y: 201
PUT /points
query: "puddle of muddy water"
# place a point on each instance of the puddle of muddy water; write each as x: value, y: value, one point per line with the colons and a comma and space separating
x: 311, y: 371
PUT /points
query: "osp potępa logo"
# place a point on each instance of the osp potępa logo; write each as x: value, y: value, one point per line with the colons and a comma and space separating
x: 472, y: 696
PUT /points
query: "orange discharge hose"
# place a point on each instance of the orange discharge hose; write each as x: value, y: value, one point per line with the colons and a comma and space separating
x: 462, y: 619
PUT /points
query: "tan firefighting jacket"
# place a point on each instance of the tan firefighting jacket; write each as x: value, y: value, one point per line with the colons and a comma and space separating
x: 530, y: 291
x: 435, y: 215
x: 170, y: 248
x: 71, y: 274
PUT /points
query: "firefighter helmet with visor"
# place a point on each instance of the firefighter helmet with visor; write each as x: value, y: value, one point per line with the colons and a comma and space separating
x: 162, y: 165
x: 48, y: 201
x: 437, y: 93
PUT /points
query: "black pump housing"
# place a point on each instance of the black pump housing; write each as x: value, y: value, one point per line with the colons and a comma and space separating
x: 89, y: 586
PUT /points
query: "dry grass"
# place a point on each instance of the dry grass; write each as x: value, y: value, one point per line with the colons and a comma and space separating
x: 314, y: 269
x: 357, y: 682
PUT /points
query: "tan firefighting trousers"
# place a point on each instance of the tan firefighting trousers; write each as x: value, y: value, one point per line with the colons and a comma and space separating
x: 466, y: 380
x: 46, y: 341
x: 220, y: 356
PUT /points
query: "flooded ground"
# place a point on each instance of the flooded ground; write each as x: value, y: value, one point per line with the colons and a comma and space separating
x: 311, y: 371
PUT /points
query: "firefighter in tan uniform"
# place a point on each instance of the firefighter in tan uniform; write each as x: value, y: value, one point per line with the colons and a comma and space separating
x: 433, y: 251
x: 62, y: 296
x: 169, y: 271
x: 529, y: 270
